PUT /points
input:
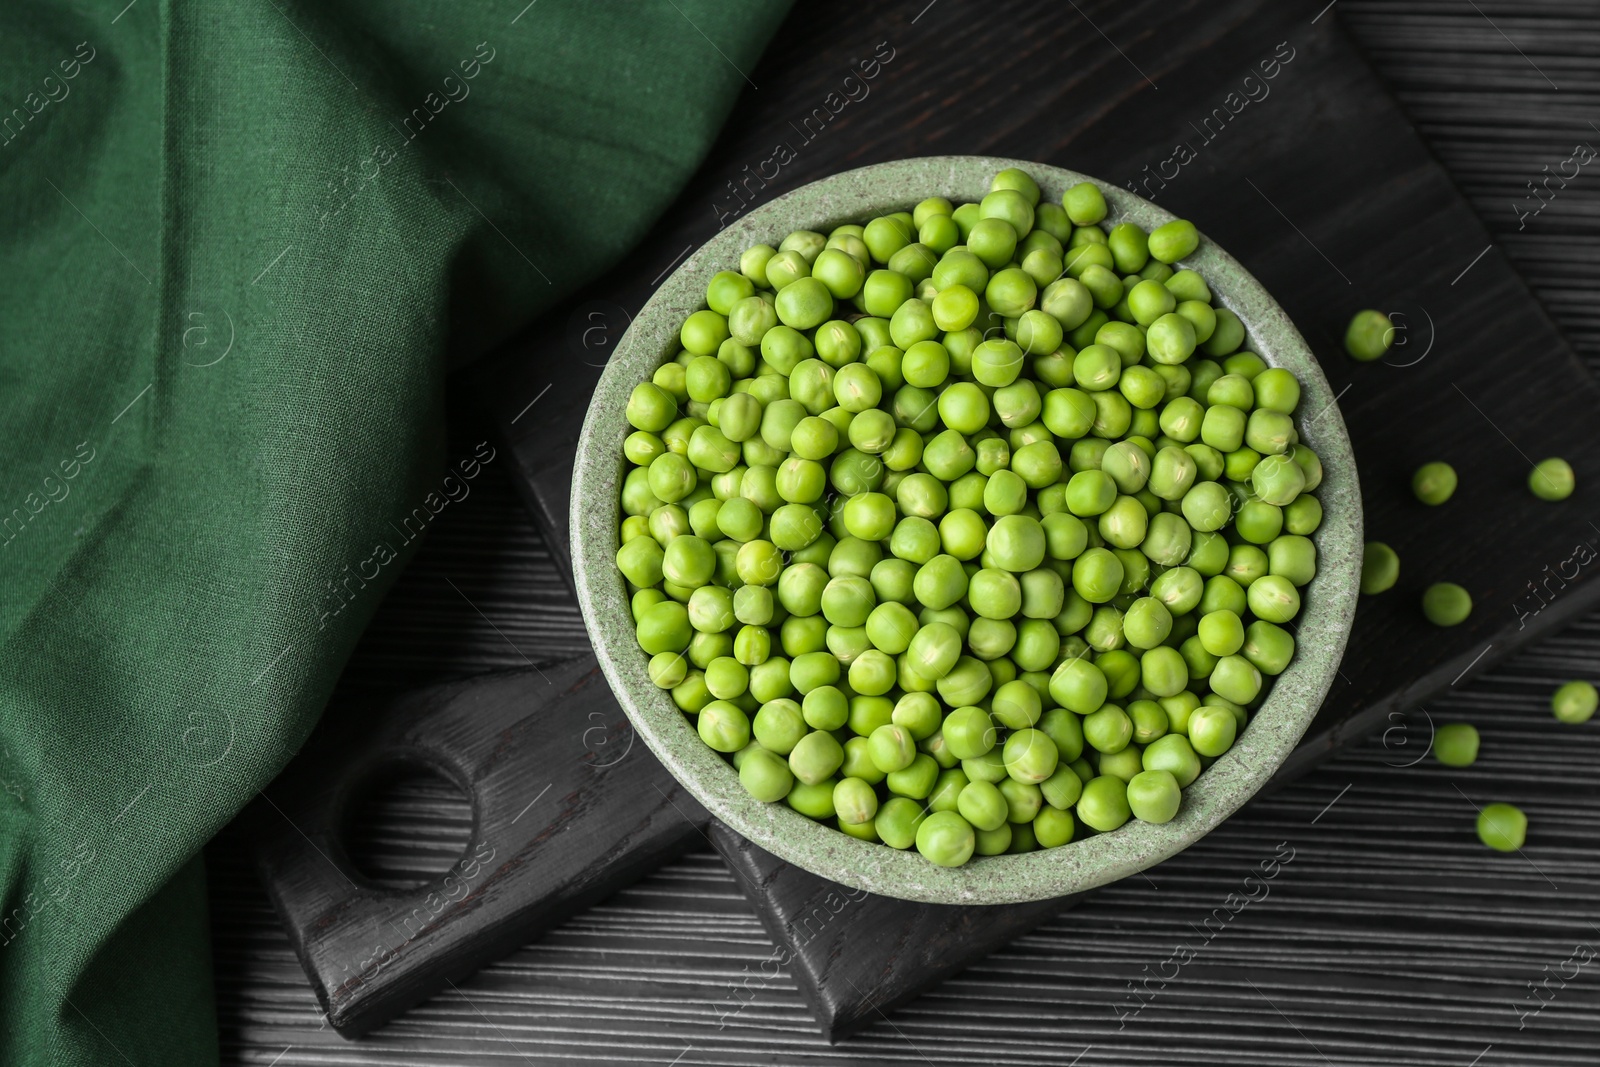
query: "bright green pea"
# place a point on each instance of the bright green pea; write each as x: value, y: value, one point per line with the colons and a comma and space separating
x: 839, y: 272
x: 1221, y: 632
x: 1085, y: 204
x: 1146, y: 623
x: 765, y: 775
x: 1023, y: 800
x: 1574, y: 702
x: 1030, y: 756
x: 1173, y: 241
x: 1154, y: 796
x: 1380, y: 568
x: 945, y: 838
x: 1170, y: 339
x: 1368, y: 336
x: 968, y: 682
x: 1446, y: 604
x: 946, y: 792
x: 992, y: 240
x: 1552, y: 479
x: 982, y: 805
x: 1270, y: 432
x: 1277, y: 480
x: 1268, y: 647
x: 1167, y: 540
x: 1274, y: 598
x: 1456, y: 744
x: 1097, y: 575
x: 1246, y: 564
x: 1223, y: 428
x: 1294, y: 557
x: 814, y: 758
x: 1212, y: 730
x: 1227, y: 337
x: 1234, y: 678
x: 724, y: 726
x: 1104, y: 803
x: 1173, y: 754
x: 1502, y: 827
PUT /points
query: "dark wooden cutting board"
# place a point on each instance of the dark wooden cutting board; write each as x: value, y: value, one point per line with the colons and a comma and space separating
x: 1316, y: 184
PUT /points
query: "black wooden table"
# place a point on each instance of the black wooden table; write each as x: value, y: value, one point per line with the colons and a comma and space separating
x: 1389, y: 936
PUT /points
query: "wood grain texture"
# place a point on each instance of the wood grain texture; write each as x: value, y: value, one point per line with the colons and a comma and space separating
x: 1392, y: 938
x: 856, y: 956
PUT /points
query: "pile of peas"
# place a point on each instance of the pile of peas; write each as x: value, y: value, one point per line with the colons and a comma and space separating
x: 968, y: 525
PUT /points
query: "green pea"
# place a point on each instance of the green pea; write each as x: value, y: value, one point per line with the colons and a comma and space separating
x: 1147, y: 623
x: 1456, y: 744
x: 1574, y: 702
x: 1085, y: 204
x: 1171, y: 339
x: 1268, y: 647
x: 1221, y: 632
x: 982, y: 805
x: 1303, y: 516
x: 1108, y: 729
x: 969, y: 732
x: 1173, y: 241
x: 891, y: 748
x: 814, y: 758
x: 1154, y: 796
x: 724, y: 726
x: 945, y: 838
x: 1104, y: 803
x: 995, y: 363
x: 765, y: 775
x: 1246, y: 563
x: 1212, y: 730
x: 1167, y: 540
x: 1223, y: 428
x: 1030, y: 755
x: 1368, y: 336
x: 1446, y: 604
x: 968, y: 682
x: 898, y: 822
x: 1502, y: 827
x: 1234, y: 678
x: 1173, y: 754
x: 1380, y: 568
x: 1277, y: 480
x: 946, y: 792
x: 1023, y: 800
x: 1275, y: 599
x: 1552, y: 479
x: 992, y: 240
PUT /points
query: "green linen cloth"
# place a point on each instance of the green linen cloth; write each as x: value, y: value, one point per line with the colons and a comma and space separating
x: 237, y: 241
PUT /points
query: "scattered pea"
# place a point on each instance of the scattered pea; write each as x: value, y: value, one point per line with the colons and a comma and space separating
x: 1551, y: 479
x: 1456, y: 744
x: 1574, y: 702
x: 1502, y: 827
x: 1446, y: 604
x: 1368, y: 336
x: 1380, y: 568
x: 1434, y: 483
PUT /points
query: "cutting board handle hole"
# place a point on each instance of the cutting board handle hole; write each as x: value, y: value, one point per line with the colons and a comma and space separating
x: 407, y: 824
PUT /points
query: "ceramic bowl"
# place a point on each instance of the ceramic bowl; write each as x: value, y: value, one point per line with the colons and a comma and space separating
x: 1295, y: 696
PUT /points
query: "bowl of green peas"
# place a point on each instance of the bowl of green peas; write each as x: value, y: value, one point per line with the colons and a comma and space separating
x: 966, y: 530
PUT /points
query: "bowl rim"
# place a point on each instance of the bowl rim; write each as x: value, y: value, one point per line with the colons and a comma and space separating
x: 1322, y: 629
